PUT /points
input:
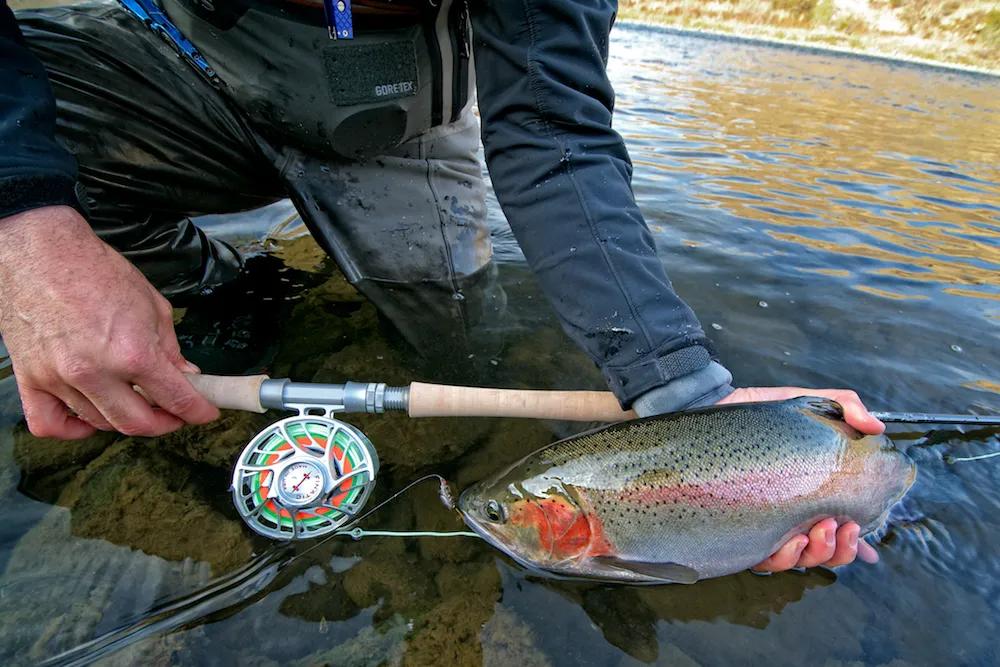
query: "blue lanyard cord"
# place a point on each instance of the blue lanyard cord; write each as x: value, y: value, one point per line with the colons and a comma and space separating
x: 154, y: 19
x: 339, y: 19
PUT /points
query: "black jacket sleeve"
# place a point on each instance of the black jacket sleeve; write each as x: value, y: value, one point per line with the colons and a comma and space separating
x: 35, y: 170
x: 563, y: 179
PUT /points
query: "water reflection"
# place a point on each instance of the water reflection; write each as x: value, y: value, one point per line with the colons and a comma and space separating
x: 802, y: 144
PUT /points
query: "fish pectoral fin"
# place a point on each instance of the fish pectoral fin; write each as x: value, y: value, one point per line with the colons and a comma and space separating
x: 824, y: 407
x: 673, y: 573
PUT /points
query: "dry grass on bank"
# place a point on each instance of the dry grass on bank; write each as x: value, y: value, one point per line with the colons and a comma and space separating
x: 965, y: 32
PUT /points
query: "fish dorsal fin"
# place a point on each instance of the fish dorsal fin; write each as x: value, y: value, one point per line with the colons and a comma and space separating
x: 672, y: 573
x: 824, y: 407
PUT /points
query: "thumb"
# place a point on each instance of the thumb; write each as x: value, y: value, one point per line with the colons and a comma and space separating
x: 172, y: 351
x: 857, y: 415
x: 171, y: 347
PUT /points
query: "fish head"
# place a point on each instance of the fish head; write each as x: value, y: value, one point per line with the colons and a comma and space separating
x: 537, y: 522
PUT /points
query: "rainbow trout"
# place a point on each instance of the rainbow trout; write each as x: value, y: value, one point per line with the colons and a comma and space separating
x: 687, y: 496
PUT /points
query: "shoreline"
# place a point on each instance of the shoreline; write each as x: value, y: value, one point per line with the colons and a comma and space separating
x: 899, y: 59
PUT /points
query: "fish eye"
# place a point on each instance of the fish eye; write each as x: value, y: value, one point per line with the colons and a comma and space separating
x: 494, y: 512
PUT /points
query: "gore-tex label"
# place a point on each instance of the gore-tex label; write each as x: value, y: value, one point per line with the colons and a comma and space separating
x: 394, y: 89
x: 366, y: 73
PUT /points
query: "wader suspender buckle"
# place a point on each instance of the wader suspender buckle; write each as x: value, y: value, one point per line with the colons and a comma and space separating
x: 339, y: 19
x: 154, y: 19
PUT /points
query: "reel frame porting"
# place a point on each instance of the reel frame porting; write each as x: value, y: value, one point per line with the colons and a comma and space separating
x: 335, y: 462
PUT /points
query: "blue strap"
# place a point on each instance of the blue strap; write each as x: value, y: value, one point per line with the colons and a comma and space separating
x: 339, y: 19
x: 154, y: 19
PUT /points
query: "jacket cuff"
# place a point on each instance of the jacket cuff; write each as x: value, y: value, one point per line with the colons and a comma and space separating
x: 702, y: 388
x: 23, y: 193
x: 630, y: 382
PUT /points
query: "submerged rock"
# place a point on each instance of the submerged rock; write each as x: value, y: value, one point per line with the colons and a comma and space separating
x: 60, y: 590
x: 507, y: 640
x: 39, y: 456
x: 449, y: 633
x: 137, y: 496
x: 47, y: 465
x: 217, y: 444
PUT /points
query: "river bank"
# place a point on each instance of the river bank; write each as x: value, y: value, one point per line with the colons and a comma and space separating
x: 965, y: 34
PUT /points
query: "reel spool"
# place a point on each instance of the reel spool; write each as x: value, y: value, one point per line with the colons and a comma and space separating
x: 304, y: 476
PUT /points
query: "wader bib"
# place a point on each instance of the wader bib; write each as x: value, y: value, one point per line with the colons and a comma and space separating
x: 398, y: 76
x: 371, y: 138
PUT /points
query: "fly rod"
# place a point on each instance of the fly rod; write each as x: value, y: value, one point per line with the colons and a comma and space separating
x: 310, y: 474
x: 258, y: 393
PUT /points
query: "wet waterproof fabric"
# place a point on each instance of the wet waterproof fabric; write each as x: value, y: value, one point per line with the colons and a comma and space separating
x: 34, y: 169
x: 563, y: 178
x: 157, y: 144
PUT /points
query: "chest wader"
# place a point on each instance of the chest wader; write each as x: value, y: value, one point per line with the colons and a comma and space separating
x: 395, y: 78
x: 371, y: 138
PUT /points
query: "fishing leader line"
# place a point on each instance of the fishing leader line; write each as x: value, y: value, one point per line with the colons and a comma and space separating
x: 356, y: 533
x: 958, y: 459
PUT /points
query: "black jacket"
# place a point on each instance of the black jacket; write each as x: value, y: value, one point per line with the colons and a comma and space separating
x: 34, y: 169
x: 561, y: 174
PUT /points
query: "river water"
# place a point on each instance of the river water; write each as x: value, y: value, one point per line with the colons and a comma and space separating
x: 834, y: 221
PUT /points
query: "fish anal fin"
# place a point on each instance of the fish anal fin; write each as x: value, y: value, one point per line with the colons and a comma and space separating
x: 673, y: 573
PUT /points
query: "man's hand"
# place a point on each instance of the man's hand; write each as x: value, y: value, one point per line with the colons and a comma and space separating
x: 855, y: 412
x: 83, y: 326
x: 827, y: 543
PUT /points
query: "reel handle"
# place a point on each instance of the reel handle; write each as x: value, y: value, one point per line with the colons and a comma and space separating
x: 436, y: 400
x: 229, y: 391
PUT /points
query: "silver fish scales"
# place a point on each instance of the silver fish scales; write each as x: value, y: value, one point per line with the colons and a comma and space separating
x: 687, y: 496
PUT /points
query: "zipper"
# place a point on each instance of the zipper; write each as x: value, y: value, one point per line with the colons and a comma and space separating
x: 462, y: 51
x: 437, y: 73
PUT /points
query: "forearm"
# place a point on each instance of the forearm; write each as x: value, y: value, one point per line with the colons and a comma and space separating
x: 562, y: 176
x: 35, y: 170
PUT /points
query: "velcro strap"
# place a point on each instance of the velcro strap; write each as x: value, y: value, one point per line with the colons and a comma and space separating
x: 630, y: 382
x: 683, y: 361
x: 367, y: 73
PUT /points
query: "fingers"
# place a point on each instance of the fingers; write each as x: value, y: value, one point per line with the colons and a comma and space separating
x: 168, y: 389
x: 855, y: 412
x: 84, y: 409
x: 822, y: 544
x: 128, y: 412
x: 847, y: 545
x: 172, y: 351
x: 786, y: 557
x: 168, y: 338
x: 162, y: 379
x: 47, y: 417
x: 826, y: 544
x: 866, y: 552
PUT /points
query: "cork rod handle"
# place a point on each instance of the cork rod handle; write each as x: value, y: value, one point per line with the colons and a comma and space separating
x: 435, y: 400
x: 230, y: 392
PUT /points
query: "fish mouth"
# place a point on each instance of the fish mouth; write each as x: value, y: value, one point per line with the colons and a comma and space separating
x: 490, y: 539
x: 478, y: 529
x: 464, y: 505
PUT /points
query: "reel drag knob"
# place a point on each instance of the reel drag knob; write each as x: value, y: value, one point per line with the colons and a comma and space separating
x: 304, y: 476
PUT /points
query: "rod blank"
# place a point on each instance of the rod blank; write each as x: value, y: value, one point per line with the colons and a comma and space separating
x: 924, y: 418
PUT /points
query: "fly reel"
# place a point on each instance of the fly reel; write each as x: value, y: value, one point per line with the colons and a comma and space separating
x: 304, y: 476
